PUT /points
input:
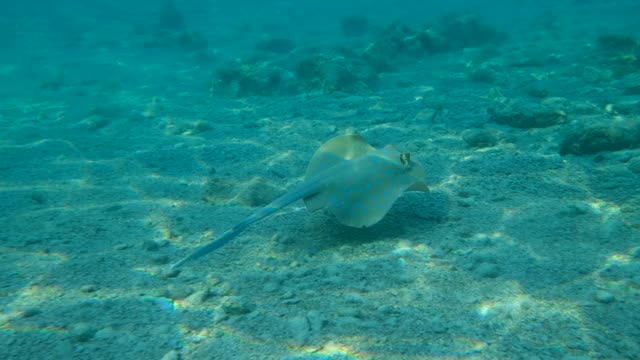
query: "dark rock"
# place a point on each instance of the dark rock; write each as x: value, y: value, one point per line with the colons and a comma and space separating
x: 617, y: 43
x: 237, y: 305
x: 486, y: 72
x: 593, y: 140
x: 525, y: 115
x: 487, y: 270
x: 479, y: 138
x: 258, y: 192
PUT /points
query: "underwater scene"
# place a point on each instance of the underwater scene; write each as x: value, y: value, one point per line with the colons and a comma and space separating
x: 320, y: 180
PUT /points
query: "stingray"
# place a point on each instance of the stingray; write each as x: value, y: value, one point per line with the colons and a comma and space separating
x: 348, y: 178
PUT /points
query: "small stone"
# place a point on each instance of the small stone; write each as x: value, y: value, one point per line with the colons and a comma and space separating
x: 121, y: 247
x: 159, y: 259
x: 523, y: 115
x: 219, y: 316
x: 169, y: 273
x: 438, y: 326
x: 237, y: 305
x: 200, y: 126
x: 29, y: 312
x: 177, y: 291
x: 171, y: 355
x: 593, y: 140
x: 594, y: 75
x: 353, y: 298
x: 299, y: 329
x: 292, y: 301
x: 150, y: 245
x: 258, y: 192
x: 604, y: 297
x: 487, y: 270
x: 270, y: 287
x: 82, y: 332
x: 316, y: 321
x: 386, y: 309
x: 88, y: 288
x: 104, y: 334
x: 198, y: 297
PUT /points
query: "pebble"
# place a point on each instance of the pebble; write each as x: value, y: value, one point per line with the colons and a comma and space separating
x: 104, y: 334
x: 88, y: 288
x: 299, y: 329
x: 169, y: 273
x: 438, y: 326
x: 479, y: 138
x: 524, y: 115
x: 177, y: 291
x: 487, y: 270
x: 198, y: 297
x: 258, y: 192
x: 237, y: 305
x: 150, y: 245
x: 592, y: 140
x: 386, y: 309
x: 354, y: 298
x: 29, y: 312
x: 82, y: 332
x: 171, y: 355
x: 604, y: 297
x: 219, y: 316
x: 159, y: 259
x: 270, y: 287
x: 316, y: 321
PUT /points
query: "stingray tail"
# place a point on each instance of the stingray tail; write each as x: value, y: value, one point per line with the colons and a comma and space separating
x: 307, y: 188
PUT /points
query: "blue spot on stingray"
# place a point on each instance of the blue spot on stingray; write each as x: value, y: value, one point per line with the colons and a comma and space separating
x: 342, y: 203
x: 378, y: 181
x: 358, y: 204
x: 360, y: 190
x: 350, y: 190
x: 368, y: 186
x: 385, y: 192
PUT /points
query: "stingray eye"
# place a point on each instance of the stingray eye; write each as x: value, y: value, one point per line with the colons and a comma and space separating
x: 404, y: 159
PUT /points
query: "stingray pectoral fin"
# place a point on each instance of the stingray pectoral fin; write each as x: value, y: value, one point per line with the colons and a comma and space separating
x: 336, y: 150
x: 418, y: 186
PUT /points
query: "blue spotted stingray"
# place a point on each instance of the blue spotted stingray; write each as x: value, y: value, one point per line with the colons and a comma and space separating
x: 348, y: 178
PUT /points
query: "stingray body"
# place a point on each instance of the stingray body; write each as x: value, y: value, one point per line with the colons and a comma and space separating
x: 348, y: 178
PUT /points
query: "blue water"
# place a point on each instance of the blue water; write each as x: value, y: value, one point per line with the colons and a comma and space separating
x: 132, y: 133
